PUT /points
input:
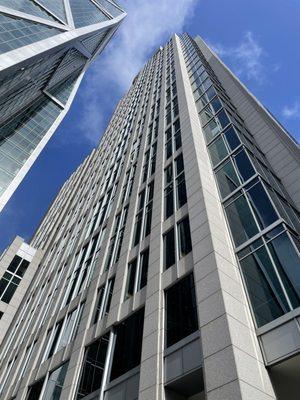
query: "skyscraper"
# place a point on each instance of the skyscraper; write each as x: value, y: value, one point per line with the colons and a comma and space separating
x: 45, y: 49
x: 169, y: 264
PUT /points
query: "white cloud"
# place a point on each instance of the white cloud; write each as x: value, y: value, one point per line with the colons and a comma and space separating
x: 147, y: 25
x: 246, y: 57
x: 292, y: 111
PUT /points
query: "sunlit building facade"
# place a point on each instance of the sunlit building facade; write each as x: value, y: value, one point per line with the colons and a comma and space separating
x: 45, y: 49
x: 168, y: 265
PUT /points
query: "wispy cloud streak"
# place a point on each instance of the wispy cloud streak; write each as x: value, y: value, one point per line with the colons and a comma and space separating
x: 292, y: 111
x: 247, y: 57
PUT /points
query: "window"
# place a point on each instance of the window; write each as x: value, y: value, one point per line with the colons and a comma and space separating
x: 181, y: 310
x: 55, y: 383
x: 210, y: 110
x: 93, y: 367
x: 18, y: 266
x: 70, y: 327
x: 116, y: 240
x: 184, y: 237
x: 8, y: 369
x: 270, y: 268
x: 181, y: 198
x: 222, y: 146
x: 249, y: 211
x: 35, y: 390
x: 137, y: 274
x: 104, y: 299
x: 8, y: 286
x: 12, y: 278
x: 143, y: 219
x: 52, y: 340
x: 27, y: 358
x: 216, y: 125
x: 169, y: 192
x: 169, y: 248
x: 172, y: 139
x: 177, y: 179
x: 128, y: 345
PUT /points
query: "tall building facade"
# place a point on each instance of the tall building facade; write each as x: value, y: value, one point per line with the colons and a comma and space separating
x: 45, y: 49
x: 169, y: 265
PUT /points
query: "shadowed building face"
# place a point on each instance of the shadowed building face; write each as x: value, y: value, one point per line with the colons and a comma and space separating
x: 45, y: 49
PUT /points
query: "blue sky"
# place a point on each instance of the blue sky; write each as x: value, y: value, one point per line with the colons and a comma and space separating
x: 258, y: 39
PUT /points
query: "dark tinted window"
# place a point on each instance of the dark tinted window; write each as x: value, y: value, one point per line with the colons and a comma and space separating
x: 35, y: 390
x: 181, y: 310
x: 184, y: 237
x: 169, y: 249
x: 128, y: 345
x: 93, y: 367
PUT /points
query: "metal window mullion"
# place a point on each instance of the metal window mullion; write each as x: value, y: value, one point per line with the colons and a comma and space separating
x: 69, y: 14
x: 137, y: 274
x: 104, y: 299
x: 278, y: 277
x: 49, y: 11
x: 108, y: 363
x: 102, y: 9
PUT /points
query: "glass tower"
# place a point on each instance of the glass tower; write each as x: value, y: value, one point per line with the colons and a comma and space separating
x: 45, y: 49
x: 168, y: 266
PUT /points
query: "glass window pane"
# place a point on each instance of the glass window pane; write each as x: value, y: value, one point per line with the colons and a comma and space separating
x: 262, y: 206
x: 227, y: 179
x: 131, y: 279
x: 288, y: 265
x: 184, y: 237
x: 241, y: 221
x: 128, y: 346
x: 179, y: 164
x: 216, y: 104
x: 218, y: 151
x: 212, y: 130
x: 14, y: 264
x: 206, y: 115
x: 181, y: 191
x: 144, y: 269
x: 232, y: 138
x: 9, y: 292
x: 244, y: 165
x: 169, y: 249
x: 55, y: 383
x: 169, y: 201
x: 223, y: 119
x: 265, y: 304
x: 93, y: 367
x: 181, y: 310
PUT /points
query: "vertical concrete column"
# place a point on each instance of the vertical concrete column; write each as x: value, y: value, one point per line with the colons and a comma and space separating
x: 151, y: 369
x: 233, y: 365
